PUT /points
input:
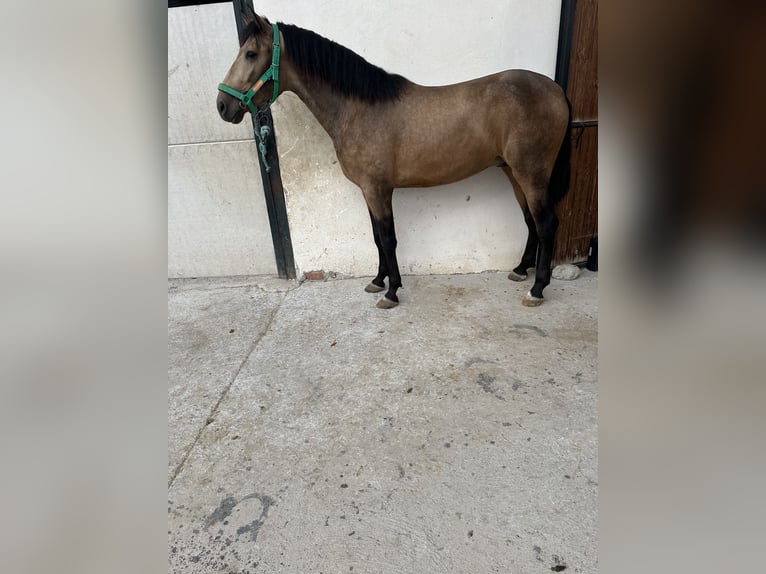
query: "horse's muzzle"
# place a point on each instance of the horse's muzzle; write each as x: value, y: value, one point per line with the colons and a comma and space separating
x: 229, y: 109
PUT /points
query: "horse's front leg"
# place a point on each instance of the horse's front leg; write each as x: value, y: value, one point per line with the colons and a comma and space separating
x: 379, y: 203
x: 378, y: 284
x: 388, y: 243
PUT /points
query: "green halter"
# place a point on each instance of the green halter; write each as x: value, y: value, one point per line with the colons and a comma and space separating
x: 272, y: 73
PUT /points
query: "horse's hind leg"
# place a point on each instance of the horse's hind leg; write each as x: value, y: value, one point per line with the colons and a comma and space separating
x: 378, y: 284
x: 546, y: 224
x: 531, y: 187
x: 529, y: 257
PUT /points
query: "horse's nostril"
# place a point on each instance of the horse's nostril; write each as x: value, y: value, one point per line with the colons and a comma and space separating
x: 221, y: 107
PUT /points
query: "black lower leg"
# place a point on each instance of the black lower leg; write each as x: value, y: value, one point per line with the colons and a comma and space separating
x: 530, y: 250
x: 388, y: 246
x: 382, y: 265
x: 547, y: 223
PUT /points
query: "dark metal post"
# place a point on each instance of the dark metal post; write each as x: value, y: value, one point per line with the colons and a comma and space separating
x: 566, y: 24
x: 271, y: 176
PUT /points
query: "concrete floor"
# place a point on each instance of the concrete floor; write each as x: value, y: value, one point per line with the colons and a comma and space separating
x: 310, y: 432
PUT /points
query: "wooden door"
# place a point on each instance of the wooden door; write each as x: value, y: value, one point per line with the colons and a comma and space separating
x: 578, y: 211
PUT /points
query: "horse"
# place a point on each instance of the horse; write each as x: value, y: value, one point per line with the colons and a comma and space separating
x: 389, y: 132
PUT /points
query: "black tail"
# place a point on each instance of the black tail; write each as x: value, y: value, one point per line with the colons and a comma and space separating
x: 559, y: 184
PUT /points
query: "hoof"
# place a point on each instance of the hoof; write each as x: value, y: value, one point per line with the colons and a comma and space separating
x: 386, y: 303
x: 372, y: 288
x: 530, y: 300
x: 513, y: 276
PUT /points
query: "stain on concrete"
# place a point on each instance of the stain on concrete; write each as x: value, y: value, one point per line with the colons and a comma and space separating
x: 227, y: 506
x: 475, y: 361
x: 558, y: 564
x: 222, y: 512
x: 519, y: 329
x: 199, y: 341
x: 579, y: 335
x: 251, y: 528
x: 455, y: 291
x: 487, y: 384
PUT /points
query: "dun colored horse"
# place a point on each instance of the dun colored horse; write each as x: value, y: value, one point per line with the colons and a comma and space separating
x: 389, y: 132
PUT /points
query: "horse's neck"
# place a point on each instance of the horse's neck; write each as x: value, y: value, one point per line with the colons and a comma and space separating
x: 325, y: 103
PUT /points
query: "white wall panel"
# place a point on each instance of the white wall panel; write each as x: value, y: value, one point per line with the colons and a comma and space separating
x: 433, y: 42
x: 202, y: 44
x: 217, y: 222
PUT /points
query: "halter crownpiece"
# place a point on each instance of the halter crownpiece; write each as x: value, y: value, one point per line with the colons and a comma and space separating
x: 272, y: 73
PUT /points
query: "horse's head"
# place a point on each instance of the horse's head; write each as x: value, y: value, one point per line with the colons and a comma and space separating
x: 253, y: 60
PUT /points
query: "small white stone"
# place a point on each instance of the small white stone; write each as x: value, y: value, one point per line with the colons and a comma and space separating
x: 566, y: 272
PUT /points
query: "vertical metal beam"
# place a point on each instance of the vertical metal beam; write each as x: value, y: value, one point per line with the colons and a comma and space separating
x: 272, y: 178
x: 563, y: 55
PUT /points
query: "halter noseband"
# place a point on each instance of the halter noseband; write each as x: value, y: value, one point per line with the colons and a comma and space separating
x: 272, y: 73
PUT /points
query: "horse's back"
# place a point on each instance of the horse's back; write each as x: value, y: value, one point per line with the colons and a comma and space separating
x: 505, y: 104
x: 439, y: 134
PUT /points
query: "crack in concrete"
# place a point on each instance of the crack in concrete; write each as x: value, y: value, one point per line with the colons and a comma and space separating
x: 225, y: 392
x: 265, y: 284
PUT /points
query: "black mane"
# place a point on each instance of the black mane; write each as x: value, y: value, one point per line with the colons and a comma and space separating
x: 344, y: 70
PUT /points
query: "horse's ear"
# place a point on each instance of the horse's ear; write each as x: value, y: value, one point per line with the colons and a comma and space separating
x: 248, y: 16
x: 262, y: 23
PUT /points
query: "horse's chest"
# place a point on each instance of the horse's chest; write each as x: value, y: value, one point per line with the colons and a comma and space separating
x: 363, y: 161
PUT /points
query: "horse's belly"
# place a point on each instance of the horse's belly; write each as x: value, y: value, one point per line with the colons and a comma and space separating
x: 444, y: 149
x: 426, y: 171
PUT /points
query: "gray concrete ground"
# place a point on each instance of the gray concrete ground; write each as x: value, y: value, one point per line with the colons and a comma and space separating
x: 310, y: 432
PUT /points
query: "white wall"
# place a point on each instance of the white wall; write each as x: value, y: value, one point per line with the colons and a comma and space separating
x: 217, y: 221
x: 439, y: 229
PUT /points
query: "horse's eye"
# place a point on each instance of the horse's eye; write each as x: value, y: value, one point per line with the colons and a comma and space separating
x: 250, y: 55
